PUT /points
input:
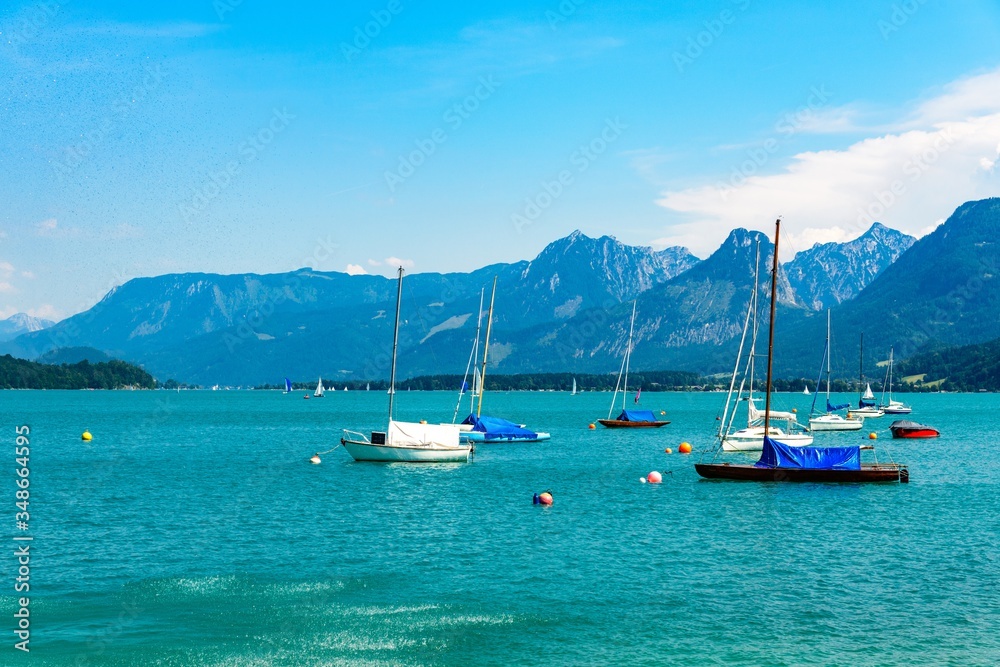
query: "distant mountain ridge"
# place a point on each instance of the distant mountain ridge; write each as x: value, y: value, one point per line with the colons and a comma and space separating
x: 565, y: 310
x: 831, y: 273
x: 20, y: 323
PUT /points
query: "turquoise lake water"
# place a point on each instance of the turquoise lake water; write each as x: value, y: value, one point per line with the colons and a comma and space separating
x: 193, y: 531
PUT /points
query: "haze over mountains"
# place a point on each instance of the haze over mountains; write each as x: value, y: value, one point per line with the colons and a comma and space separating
x: 566, y: 310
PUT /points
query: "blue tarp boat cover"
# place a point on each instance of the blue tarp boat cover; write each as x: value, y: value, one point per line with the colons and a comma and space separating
x: 834, y: 408
x: 778, y: 455
x: 866, y: 404
x: 636, y: 416
x: 495, y: 428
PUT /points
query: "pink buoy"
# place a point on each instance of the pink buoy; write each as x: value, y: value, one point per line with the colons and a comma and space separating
x: 654, y: 477
x: 545, y: 498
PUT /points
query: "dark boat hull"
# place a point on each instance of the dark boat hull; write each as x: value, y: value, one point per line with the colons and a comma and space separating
x: 619, y: 423
x: 749, y: 473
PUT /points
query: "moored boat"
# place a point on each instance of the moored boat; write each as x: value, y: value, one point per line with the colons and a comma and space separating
x: 831, y: 420
x: 780, y: 462
x: 904, y: 428
x: 634, y: 419
x: 406, y: 441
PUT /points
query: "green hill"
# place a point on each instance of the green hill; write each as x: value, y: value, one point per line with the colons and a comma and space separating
x: 22, y: 374
x: 967, y: 368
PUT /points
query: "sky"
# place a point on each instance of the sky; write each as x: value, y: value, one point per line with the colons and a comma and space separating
x: 229, y: 136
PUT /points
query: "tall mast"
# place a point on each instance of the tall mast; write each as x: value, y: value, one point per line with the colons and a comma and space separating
x: 486, y: 349
x: 861, y: 366
x: 395, y: 343
x: 770, y: 333
x: 471, y: 364
x: 890, y: 375
x: 828, y: 356
x: 628, y: 354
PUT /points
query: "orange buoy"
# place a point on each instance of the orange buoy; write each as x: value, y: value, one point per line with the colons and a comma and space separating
x: 684, y: 448
x: 668, y: 451
x: 545, y: 498
x: 795, y: 409
x: 873, y: 436
x: 591, y: 426
x: 663, y: 412
x: 654, y: 477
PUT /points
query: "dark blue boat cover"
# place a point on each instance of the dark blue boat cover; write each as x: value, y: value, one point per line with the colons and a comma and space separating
x: 866, y: 404
x: 636, y: 416
x: 834, y: 408
x: 499, y: 429
x: 778, y: 455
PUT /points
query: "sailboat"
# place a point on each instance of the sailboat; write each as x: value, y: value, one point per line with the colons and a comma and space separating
x: 749, y: 439
x: 573, y: 393
x: 477, y: 383
x: 493, y: 429
x: 406, y: 441
x: 629, y: 418
x: 781, y: 463
x: 288, y: 386
x: 831, y: 420
x: 319, y: 389
x: 892, y: 407
x: 805, y: 391
x: 866, y: 404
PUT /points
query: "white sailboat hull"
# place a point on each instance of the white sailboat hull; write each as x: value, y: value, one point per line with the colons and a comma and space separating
x: 868, y: 413
x: 834, y: 422
x: 366, y: 451
x: 411, y: 443
x: 752, y: 439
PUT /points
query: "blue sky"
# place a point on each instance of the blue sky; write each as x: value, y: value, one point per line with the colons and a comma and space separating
x: 228, y: 136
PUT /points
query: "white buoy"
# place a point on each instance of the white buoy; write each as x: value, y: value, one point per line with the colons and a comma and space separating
x: 315, y: 460
x: 642, y: 480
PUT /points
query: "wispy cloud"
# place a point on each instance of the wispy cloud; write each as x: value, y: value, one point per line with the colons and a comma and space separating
x: 941, y: 154
x: 50, y: 228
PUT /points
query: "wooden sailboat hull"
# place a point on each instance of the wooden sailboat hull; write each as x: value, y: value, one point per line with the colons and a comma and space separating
x: 621, y: 423
x: 750, y: 473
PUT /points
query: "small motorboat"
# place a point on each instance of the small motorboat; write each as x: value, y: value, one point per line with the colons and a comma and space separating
x: 904, y: 428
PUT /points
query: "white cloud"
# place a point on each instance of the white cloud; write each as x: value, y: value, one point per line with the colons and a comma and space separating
x: 908, y: 179
x: 356, y: 270
x: 6, y: 269
x: 28, y: 274
x: 7, y: 288
x: 397, y: 262
x: 47, y: 227
x: 374, y: 262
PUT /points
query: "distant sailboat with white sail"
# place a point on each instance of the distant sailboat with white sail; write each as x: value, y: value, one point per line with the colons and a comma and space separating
x: 319, y: 389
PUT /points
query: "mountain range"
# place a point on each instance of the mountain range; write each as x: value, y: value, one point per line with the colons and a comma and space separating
x: 566, y: 310
x: 20, y: 323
